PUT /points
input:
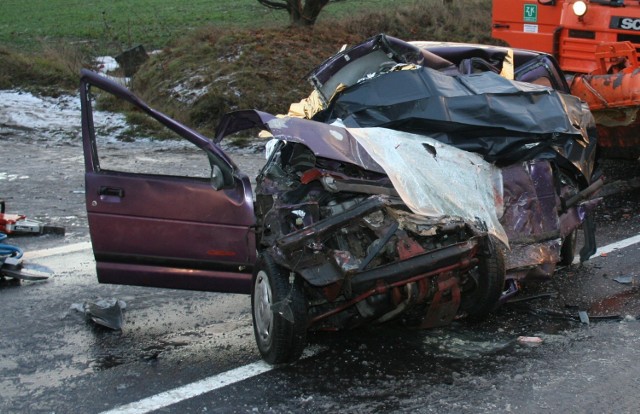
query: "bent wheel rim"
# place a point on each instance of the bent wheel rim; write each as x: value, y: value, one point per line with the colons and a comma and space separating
x: 263, y: 314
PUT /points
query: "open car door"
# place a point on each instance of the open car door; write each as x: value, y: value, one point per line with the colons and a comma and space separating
x: 183, y: 224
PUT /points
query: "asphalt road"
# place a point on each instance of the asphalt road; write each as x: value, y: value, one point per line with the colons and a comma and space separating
x: 194, y: 352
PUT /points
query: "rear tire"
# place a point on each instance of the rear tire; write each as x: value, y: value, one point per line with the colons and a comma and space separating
x: 279, y: 312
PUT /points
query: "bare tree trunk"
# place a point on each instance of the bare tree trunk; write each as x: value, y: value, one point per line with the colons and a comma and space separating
x: 294, y: 8
x: 300, y: 13
x: 312, y: 9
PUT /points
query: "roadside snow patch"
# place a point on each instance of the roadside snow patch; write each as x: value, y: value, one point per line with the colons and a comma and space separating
x: 190, y: 90
x: 23, y: 115
x: 106, y: 64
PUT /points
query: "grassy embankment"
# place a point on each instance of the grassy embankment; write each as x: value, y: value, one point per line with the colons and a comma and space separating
x: 238, y: 53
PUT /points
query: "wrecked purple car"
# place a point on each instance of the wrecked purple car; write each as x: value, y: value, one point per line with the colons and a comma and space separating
x: 420, y: 182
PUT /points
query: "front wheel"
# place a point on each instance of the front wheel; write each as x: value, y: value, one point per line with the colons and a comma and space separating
x: 279, y: 310
x: 488, y: 278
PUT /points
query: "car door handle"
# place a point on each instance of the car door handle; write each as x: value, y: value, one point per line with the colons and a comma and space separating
x: 111, y: 191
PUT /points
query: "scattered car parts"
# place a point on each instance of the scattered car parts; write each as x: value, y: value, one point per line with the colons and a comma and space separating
x: 20, y: 224
x: 12, y: 265
x: 104, y: 312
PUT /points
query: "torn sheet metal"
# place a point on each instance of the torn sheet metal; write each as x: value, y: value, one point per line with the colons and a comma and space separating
x: 533, y: 260
x: 327, y: 141
x: 377, y: 53
x: 434, y: 179
x: 625, y: 280
x: 584, y: 317
x: 530, y: 340
x: 531, y: 203
x: 531, y: 219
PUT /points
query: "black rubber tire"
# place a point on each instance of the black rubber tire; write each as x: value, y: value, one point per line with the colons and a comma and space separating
x: 279, y: 340
x: 568, y: 248
x: 485, y: 298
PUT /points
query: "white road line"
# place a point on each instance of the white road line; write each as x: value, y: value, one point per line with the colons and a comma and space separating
x: 69, y: 248
x: 194, y: 389
x: 611, y: 247
x: 618, y: 245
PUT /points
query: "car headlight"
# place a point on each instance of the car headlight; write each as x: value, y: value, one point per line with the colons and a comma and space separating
x: 579, y: 8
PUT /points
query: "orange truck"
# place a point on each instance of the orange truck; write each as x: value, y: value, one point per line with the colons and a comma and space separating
x: 596, y: 43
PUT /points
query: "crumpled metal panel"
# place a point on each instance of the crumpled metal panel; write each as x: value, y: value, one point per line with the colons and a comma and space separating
x: 328, y: 141
x: 531, y: 203
x: 435, y: 179
x: 533, y: 260
x: 349, y: 66
x: 505, y: 121
x: 531, y: 220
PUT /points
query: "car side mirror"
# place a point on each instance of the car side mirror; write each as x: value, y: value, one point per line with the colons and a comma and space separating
x: 217, y: 178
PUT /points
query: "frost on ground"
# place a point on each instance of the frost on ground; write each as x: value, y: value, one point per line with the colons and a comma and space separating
x: 23, y: 115
x: 30, y: 118
x: 190, y: 90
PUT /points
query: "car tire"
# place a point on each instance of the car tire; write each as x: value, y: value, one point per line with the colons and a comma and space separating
x: 280, y: 333
x: 490, y: 277
x: 568, y: 248
x: 569, y: 243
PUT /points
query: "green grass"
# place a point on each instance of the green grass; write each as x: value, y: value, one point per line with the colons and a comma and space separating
x: 110, y: 26
x: 264, y: 68
x: 236, y: 54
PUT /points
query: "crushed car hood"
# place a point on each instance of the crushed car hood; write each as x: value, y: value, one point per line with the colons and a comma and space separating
x: 327, y: 141
x: 433, y: 179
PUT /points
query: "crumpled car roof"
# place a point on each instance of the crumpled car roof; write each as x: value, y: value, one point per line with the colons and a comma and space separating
x: 502, y: 119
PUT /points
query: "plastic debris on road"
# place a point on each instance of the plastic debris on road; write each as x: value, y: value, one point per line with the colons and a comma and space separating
x: 625, y: 280
x: 104, y: 312
x: 530, y: 340
x: 584, y: 317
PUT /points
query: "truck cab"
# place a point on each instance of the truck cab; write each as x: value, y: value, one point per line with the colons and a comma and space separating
x: 571, y: 30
